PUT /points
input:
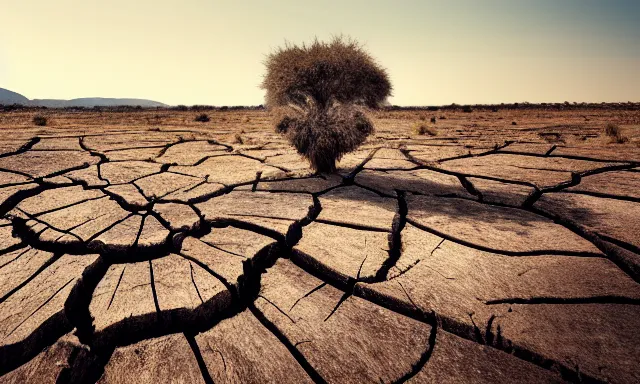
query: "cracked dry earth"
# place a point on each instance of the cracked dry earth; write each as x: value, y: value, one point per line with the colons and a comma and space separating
x: 149, y: 256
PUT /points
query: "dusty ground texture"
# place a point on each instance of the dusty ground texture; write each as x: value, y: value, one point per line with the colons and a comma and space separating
x: 146, y: 247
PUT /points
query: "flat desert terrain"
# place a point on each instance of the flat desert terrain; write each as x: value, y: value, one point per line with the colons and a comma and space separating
x: 143, y: 246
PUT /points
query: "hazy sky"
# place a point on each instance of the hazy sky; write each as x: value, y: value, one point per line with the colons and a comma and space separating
x: 212, y: 52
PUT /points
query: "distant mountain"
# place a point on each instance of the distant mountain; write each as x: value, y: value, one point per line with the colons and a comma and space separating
x: 9, y: 97
x: 89, y: 102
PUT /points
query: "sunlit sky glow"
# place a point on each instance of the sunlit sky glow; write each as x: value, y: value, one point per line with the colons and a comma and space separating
x: 212, y: 52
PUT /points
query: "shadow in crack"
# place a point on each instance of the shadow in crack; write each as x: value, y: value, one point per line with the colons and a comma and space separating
x: 430, y: 193
x: 443, y: 204
x: 89, y: 362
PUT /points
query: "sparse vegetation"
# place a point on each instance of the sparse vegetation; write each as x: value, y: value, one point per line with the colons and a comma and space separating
x: 612, y: 130
x: 40, y: 120
x: 423, y: 129
x: 467, y: 109
x: 615, y: 133
x: 319, y: 95
x: 202, y: 108
x: 203, y: 118
x: 238, y: 139
x: 155, y: 119
x: 433, y: 119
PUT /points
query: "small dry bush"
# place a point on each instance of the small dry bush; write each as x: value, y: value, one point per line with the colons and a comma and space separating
x: 203, y: 118
x: 319, y: 95
x: 423, y: 129
x: 621, y: 139
x: 155, y: 119
x: 238, y: 139
x: 612, y: 130
x: 39, y: 120
x: 615, y: 133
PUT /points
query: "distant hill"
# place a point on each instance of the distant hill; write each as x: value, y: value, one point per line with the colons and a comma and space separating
x: 89, y: 102
x: 9, y: 97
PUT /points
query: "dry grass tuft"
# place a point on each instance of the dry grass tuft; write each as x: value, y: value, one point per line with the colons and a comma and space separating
x: 203, y: 118
x: 39, y: 120
x: 612, y: 130
x: 423, y: 129
x: 615, y: 133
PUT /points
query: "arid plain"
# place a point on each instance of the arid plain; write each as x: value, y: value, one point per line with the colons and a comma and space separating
x: 497, y: 246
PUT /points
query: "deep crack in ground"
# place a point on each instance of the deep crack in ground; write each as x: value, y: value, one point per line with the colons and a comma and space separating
x: 211, y: 261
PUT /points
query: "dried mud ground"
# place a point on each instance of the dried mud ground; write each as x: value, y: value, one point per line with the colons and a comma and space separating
x: 145, y: 247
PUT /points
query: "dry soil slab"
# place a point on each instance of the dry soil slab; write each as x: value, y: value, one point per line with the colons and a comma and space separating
x: 176, y: 255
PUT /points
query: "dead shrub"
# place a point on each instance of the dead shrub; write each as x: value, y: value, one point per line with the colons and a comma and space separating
x: 202, y: 118
x: 40, y: 120
x: 423, y: 129
x: 621, y: 139
x: 319, y: 95
x: 615, y: 133
x: 612, y: 130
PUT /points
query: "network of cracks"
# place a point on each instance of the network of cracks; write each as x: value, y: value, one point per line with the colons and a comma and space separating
x: 159, y: 256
